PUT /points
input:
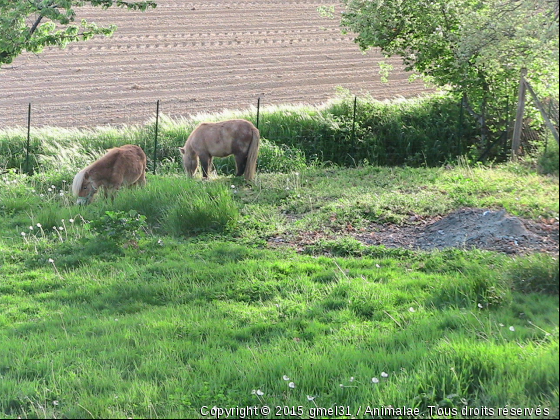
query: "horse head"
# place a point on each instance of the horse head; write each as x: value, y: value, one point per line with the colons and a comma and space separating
x: 190, y: 160
x: 87, y: 189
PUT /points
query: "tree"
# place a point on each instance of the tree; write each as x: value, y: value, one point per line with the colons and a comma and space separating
x: 31, y: 25
x: 474, y: 47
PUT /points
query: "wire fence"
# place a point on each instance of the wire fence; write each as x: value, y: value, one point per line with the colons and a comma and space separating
x: 324, y: 143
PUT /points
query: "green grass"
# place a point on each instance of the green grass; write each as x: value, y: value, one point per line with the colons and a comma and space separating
x: 198, y: 311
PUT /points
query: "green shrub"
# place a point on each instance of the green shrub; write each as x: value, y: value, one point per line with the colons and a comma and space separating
x: 548, y: 160
x: 534, y: 274
x: 208, y: 208
x: 118, y: 226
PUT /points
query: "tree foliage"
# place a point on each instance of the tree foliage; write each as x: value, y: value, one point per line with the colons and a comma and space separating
x: 474, y: 47
x: 31, y: 25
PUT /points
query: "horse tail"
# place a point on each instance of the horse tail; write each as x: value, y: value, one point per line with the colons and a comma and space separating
x: 252, y: 154
x: 77, y: 183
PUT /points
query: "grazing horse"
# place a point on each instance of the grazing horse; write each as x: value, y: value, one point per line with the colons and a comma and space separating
x: 121, y: 166
x: 239, y: 138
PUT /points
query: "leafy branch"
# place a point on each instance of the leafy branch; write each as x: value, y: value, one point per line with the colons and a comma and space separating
x: 32, y: 25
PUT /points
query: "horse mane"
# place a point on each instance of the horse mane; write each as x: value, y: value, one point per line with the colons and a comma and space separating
x: 78, y: 180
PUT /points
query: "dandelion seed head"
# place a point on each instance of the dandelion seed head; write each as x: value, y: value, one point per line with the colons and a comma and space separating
x: 51, y: 260
x: 351, y: 379
x: 260, y: 393
x: 71, y: 220
x: 384, y: 375
x: 411, y: 309
x: 292, y: 385
x: 512, y: 328
x: 22, y: 233
x: 60, y: 228
x: 30, y: 227
x: 38, y: 225
x: 375, y: 380
x: 285, y: 377
x: 480, y: 305
x: 310, y: 398
x: 55, y: 402
x: 377, y: 265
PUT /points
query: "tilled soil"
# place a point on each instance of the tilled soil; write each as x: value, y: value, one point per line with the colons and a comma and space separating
x: 195, y: 57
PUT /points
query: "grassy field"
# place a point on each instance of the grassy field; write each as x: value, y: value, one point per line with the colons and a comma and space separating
x: 170, y: 302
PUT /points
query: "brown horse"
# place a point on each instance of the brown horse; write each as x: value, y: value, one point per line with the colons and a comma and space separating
x: 239, y: 138
x: 121, y: 166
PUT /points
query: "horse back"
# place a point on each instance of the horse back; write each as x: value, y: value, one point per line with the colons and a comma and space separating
x: 125, y: 164
x: 222, y: 138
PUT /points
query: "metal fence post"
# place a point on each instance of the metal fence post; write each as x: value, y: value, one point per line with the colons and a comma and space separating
x: 353, y: 134
x: 28, y: 138
x: 156, y: 136
x: 258, y: 110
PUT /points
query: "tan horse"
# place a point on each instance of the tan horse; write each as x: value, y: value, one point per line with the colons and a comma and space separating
x: 121, y: 166
x: 239, y: 138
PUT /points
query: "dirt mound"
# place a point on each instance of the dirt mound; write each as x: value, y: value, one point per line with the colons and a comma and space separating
x: 467, y: 228
x: 482, y: 229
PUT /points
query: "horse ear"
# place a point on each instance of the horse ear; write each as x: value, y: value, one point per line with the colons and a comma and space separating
x: 86, y: 175
x: 182, y: 150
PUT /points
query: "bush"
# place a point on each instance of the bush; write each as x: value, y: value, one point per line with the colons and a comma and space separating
x: 207, y: 208
x: 535, y: 274
x: 548, y: 160
x: 118, y: 226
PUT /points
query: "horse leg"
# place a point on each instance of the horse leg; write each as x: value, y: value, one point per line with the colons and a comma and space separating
x: 206, y: 164
x: 240, y: 163
x: 142, y: 180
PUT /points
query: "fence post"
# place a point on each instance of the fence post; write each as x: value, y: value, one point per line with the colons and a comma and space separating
x: 354, y: 125
x: 156, y: 135
x: 258, y: 110
x: 28, y: 138
x: 516, y: 138
x: 541, y: 110
x: 504, y: 145
x: 461, y: 117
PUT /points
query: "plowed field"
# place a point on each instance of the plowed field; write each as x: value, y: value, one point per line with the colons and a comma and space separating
x: 194, y: 56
